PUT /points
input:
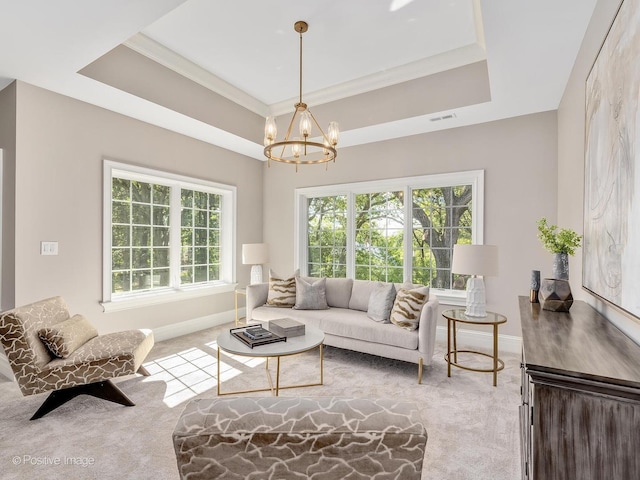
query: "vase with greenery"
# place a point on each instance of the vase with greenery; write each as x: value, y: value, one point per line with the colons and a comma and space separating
x: 562, y: 243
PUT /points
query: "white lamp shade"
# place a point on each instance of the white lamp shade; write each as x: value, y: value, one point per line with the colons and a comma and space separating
x: 255, y: 253
x: 475, y: 260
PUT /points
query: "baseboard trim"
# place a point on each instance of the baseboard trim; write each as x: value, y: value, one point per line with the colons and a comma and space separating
x: 484, y: 340
x: 5, y: 368
x: 194, y: 325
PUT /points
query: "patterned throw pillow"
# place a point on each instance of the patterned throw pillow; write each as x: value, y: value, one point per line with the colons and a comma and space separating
x: 64, y: 338
x: 311, y: 294
x: 408, y: 306
x: 282, y: 291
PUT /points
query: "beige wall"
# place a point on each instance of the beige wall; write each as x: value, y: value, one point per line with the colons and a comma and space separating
x: 519, y: 156
x: 8, y: 146
x: 571, y: 142
x: 61, y: 145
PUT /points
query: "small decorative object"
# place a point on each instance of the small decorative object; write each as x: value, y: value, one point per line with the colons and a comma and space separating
x: 286, y: 327
x: 555, y: 295
x: 535, y: 286
x: 475, y: 260
x: 561, y: 243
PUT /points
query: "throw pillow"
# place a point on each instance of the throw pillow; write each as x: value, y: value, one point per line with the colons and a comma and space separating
x: 282, y: 291
x: 311, y: 295
x: 408, y: 307
x: 64, y: 338
x: 381, y: 302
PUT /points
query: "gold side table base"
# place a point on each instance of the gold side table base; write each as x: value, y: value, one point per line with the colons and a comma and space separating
x: 458, y: 316
x: 275, y: 390
x: 455, y: 363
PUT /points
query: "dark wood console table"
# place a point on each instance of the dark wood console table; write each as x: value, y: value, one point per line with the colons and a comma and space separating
x: 580, y: 412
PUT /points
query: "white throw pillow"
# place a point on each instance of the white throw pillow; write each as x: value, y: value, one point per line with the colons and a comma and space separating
x: 381, y: 302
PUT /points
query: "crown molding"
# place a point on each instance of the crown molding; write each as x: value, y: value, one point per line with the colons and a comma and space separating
x: 428, y: 66
x: 157, y: 52
x: 421, y: 68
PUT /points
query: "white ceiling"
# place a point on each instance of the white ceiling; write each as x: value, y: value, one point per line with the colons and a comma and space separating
x: 249, y: 51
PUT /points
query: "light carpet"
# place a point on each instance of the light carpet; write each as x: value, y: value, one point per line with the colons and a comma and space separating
x: 472, y: 426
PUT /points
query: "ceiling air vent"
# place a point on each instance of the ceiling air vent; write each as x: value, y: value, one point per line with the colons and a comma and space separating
x: 443, y: 117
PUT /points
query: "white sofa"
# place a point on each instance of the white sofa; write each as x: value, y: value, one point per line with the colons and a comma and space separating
x: 346, y: 324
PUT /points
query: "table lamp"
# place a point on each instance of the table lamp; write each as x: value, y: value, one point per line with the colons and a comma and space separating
x: 475, y: 260
x: 255, y: 254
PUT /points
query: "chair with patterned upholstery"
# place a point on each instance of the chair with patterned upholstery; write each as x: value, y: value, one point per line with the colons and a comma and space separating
x: 51, y: 351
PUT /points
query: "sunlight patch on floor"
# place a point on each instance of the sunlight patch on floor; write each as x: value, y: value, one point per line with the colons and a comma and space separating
x: 192, y: 372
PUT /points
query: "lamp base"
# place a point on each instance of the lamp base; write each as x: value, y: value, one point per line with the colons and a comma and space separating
x: 476, y: 300
x: 256, y: 274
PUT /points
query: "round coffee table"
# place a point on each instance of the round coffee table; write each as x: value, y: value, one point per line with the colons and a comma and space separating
x: 312, y: 338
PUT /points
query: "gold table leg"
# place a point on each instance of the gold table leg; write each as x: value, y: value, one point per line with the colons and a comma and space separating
x: 448, y: 347
x: 495, y: 355
x: 275, y: 390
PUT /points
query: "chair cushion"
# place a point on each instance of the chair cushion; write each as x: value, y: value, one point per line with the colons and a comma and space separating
x: 408, y: 306
x: 311, y: 295
x: 381, y: 302
x: 63, y: 338
x: 282, y: 291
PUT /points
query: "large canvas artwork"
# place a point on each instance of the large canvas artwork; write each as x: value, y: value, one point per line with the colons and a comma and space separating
x: 611, y: 248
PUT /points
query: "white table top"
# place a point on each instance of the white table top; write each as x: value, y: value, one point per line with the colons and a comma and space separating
x: 311, y: 339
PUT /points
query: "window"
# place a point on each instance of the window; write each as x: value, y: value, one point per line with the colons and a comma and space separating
x: 368, y: 231
x: 379, y: 229
x: 164, y: 234
x: 327, y: 236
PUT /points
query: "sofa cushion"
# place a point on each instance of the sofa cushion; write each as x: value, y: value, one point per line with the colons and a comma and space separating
x: 381, y: 302
x: 356, y: 324
x: 311, y: 295
x: 360, y: 294
x: 408, y: 306
x: 64, y: 338
x: 282, y: 291
x: 339, y: 292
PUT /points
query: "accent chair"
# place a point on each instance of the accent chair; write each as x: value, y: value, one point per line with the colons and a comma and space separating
x: 50, y: 351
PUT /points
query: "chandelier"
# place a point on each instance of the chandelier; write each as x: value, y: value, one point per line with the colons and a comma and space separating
x: 301, y: 150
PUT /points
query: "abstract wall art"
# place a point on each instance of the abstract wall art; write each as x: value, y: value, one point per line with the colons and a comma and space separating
x: 611, y: 246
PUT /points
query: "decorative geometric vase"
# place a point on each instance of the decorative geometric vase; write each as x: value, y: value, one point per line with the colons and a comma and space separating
x: 561, y: 266
x: 555, y: 295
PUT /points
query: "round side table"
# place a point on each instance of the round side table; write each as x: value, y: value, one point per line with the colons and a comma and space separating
x: 458, y: 315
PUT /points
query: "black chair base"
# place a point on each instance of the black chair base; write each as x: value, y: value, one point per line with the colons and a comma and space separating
x: 105, y: 390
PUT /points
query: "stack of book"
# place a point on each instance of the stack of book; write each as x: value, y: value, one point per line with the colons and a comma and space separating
x: 286, y: 327
x: 256, y: 335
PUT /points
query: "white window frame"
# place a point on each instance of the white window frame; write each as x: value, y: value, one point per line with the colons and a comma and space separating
x: 475, y: 178
x: 175, y: 291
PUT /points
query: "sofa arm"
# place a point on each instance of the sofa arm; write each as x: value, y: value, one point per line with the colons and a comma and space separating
x: 256, y: 297
x: 427, y: 328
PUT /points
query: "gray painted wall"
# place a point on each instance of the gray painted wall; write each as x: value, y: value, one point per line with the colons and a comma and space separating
x: 8, y: 146
x: 61, y: 144
x: 519, y: 156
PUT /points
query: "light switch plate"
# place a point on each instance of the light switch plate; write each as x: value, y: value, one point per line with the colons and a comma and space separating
x: 48, y: 248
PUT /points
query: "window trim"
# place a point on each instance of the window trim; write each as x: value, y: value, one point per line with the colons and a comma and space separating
x: 172, y: 293
x: 475, y: 178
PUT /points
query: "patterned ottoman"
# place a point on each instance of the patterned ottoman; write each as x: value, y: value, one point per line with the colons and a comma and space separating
x: 298, y: 437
